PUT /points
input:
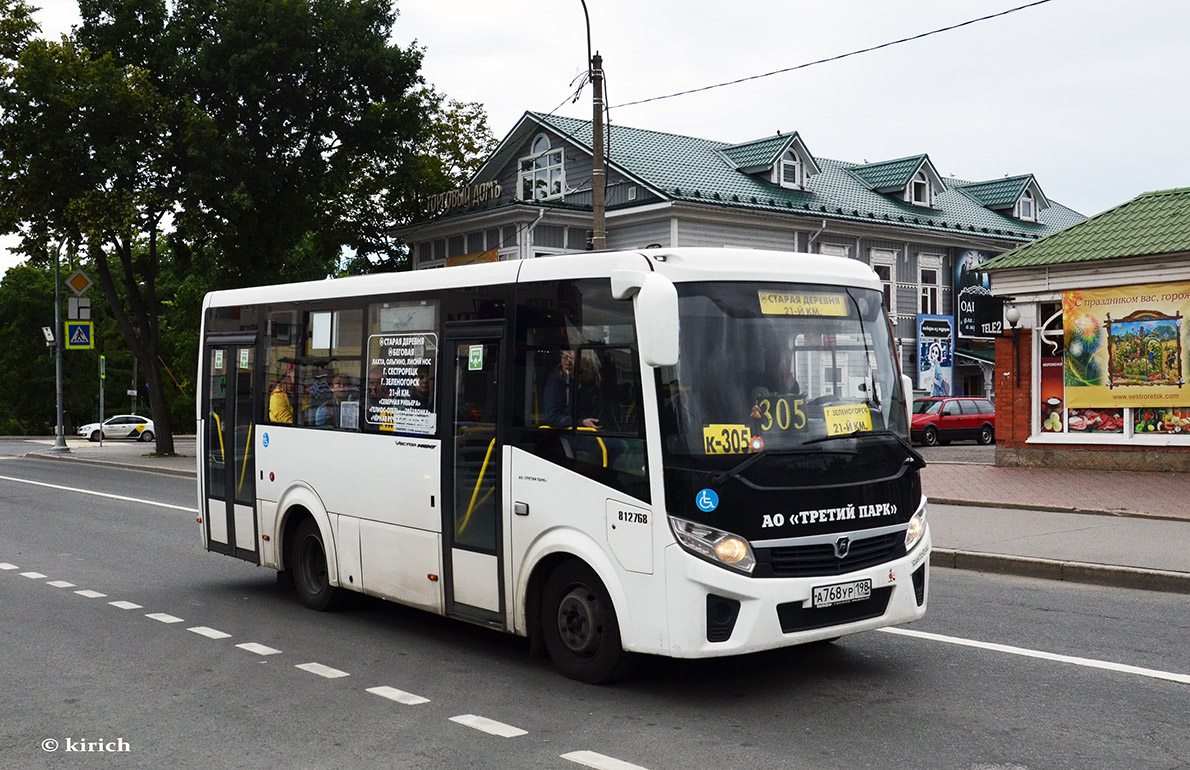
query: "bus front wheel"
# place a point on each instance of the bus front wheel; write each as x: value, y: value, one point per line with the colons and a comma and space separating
x: 311, y: 578
x: 579, y: 625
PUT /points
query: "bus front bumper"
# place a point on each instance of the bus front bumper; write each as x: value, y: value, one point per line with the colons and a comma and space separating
x: 714, y: 612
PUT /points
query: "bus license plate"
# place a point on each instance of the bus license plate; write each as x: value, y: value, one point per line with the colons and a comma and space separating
x: 842, y: 593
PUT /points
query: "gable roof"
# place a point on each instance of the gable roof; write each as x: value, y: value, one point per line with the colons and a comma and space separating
x: 761, y: 154
x: 690, y: 169
x: 1003, y: 193
x: 891, y: 175
x: 1151, y: 224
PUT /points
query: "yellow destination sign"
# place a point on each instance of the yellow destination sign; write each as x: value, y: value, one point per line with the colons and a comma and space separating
x: 848, y: 418
x: 802, y: 303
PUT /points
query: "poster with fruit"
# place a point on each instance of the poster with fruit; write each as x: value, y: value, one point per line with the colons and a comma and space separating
x: 1125, y: 346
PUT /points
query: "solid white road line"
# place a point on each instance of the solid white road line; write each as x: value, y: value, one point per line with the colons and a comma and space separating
x: 60, y: 584
x: 100, y: 494
x: 33, y: 575
x: 259, y: 649
x: 599, y: 761
x: 164, y: 618
x: 126, y: 605
x: 490, y: 726
x: 1010, y: 650
x: 91, y: 594
x: 400, y: 696
x: 323, y: 671
x: 209, y: 633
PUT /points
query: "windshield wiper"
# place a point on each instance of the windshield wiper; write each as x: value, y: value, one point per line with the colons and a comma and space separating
x: 918, y: 460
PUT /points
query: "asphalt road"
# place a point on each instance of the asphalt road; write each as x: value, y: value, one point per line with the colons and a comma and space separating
x: 79, y: 670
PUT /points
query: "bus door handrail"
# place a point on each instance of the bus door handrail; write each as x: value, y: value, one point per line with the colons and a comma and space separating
x: 478, y: 483
x: 219, y: 431
x: 244, y: 469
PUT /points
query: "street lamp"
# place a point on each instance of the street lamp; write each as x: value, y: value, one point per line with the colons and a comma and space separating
x: 598, y: 169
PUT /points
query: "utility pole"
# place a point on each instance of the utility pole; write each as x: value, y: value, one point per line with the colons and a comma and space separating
x: 598, y: 170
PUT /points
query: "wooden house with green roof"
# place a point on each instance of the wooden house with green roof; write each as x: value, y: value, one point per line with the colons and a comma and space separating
x: 1093, y: 369
x: 915, y: 227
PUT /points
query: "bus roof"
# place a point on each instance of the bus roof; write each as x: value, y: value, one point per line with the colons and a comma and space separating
x: 680, y: 265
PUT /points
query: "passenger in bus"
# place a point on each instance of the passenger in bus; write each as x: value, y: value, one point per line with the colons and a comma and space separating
x: 322, y: 402
x: 560, y: 387
x: 280, y: 406
x: 780, y: 379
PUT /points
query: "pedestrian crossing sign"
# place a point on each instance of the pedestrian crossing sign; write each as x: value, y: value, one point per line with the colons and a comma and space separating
x: 80, y: 335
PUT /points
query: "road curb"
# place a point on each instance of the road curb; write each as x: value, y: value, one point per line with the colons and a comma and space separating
x: 1069, y: 571
x: 116, y: 464
x: 1054, y: 508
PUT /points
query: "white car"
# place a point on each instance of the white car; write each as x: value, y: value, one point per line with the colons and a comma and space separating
x: 131, y: 426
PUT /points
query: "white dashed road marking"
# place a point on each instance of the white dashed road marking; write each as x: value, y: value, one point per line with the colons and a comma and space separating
x: 100, y: 494
x: 91, y: 594
x: 599, y: 761
x: 60, y: 584
x: 209, y: 633
x: 164, y: 618
x: 490, y: 726
x: 7, y: 566
x: 126, y: 605
x: 400, y: 696
x: 32, y: 575
x: 1086, y: 662
x: 259, y: 649
x: 321, y: 670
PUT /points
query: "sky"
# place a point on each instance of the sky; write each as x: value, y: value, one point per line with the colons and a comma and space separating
x: 1089, y: 96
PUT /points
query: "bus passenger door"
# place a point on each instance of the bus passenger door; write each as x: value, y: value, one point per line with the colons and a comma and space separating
x: 471, y: 476
x: 228, y: 467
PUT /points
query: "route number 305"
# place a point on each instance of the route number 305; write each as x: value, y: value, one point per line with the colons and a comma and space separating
x: 781, y: 413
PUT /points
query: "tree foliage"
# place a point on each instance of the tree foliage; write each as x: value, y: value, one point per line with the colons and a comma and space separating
x: 241, y: 139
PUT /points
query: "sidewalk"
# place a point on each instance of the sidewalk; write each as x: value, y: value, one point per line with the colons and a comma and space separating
x: 1122, y: 528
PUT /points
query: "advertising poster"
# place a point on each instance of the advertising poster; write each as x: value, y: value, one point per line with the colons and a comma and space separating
x: 1126, y: 346
x: 1052, y: 408
x: 979, y: 313
x: 935, y: 354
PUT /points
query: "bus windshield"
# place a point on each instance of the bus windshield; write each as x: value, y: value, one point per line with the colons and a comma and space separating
x: 776, y: 367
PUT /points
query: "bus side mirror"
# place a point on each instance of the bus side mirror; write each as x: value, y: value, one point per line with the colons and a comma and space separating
x: 656, y: 301
x: 907, y: 391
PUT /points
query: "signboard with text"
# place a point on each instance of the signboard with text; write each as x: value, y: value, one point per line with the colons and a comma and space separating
x: 979, y: 314
x: 935, y: 354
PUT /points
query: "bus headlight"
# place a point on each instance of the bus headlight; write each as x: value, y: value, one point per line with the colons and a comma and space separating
x: 917, y: 528
x: 714, y: 544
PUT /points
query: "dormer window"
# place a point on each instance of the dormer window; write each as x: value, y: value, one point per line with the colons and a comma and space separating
x: 788, y: 171
x: 1027, y: 207
x: 542, y: 175
x: 919, y: 190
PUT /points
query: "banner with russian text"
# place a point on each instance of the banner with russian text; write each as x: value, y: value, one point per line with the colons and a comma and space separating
x: 1126, y: 346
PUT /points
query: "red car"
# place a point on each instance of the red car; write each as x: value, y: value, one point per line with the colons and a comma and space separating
x: 942, y: 420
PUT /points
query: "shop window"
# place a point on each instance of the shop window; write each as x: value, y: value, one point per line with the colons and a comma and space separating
x: 1155, y: 420
x: 1095, y: 421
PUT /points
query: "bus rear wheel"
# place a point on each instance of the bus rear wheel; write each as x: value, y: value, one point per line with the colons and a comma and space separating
x: 579, y: 625
x: 311, y: 577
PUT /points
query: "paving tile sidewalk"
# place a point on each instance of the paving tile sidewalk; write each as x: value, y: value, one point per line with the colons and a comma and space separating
x: 1129, y: 493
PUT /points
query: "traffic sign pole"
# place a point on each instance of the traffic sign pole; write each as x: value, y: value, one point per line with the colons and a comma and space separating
x: 102, y: 377
x: 60, y: 438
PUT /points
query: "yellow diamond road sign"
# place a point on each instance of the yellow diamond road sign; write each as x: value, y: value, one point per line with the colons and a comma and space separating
x: 79, y: 335
x: 78, y: 282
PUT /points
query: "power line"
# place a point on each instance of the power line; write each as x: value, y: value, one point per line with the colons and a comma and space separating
x: 834, y: 58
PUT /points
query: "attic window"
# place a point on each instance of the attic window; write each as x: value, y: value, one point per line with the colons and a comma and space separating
x: 919, y: 190
x: 1027, y: 207
x: 788, y: 171
x: 542, y: 175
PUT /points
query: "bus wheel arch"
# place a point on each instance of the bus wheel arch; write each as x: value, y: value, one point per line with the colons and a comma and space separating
x: 307, y: 558
x: 578, y: 623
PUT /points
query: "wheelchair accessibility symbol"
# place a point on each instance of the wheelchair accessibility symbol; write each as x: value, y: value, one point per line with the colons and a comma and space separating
x: 265, y: 439
x: 706, y: 500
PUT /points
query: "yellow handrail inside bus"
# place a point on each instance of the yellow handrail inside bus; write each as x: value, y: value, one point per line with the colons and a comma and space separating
x: 247, y: 443
x: 602, y: 446
x: 478, y: 482
x: 219, y: 430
